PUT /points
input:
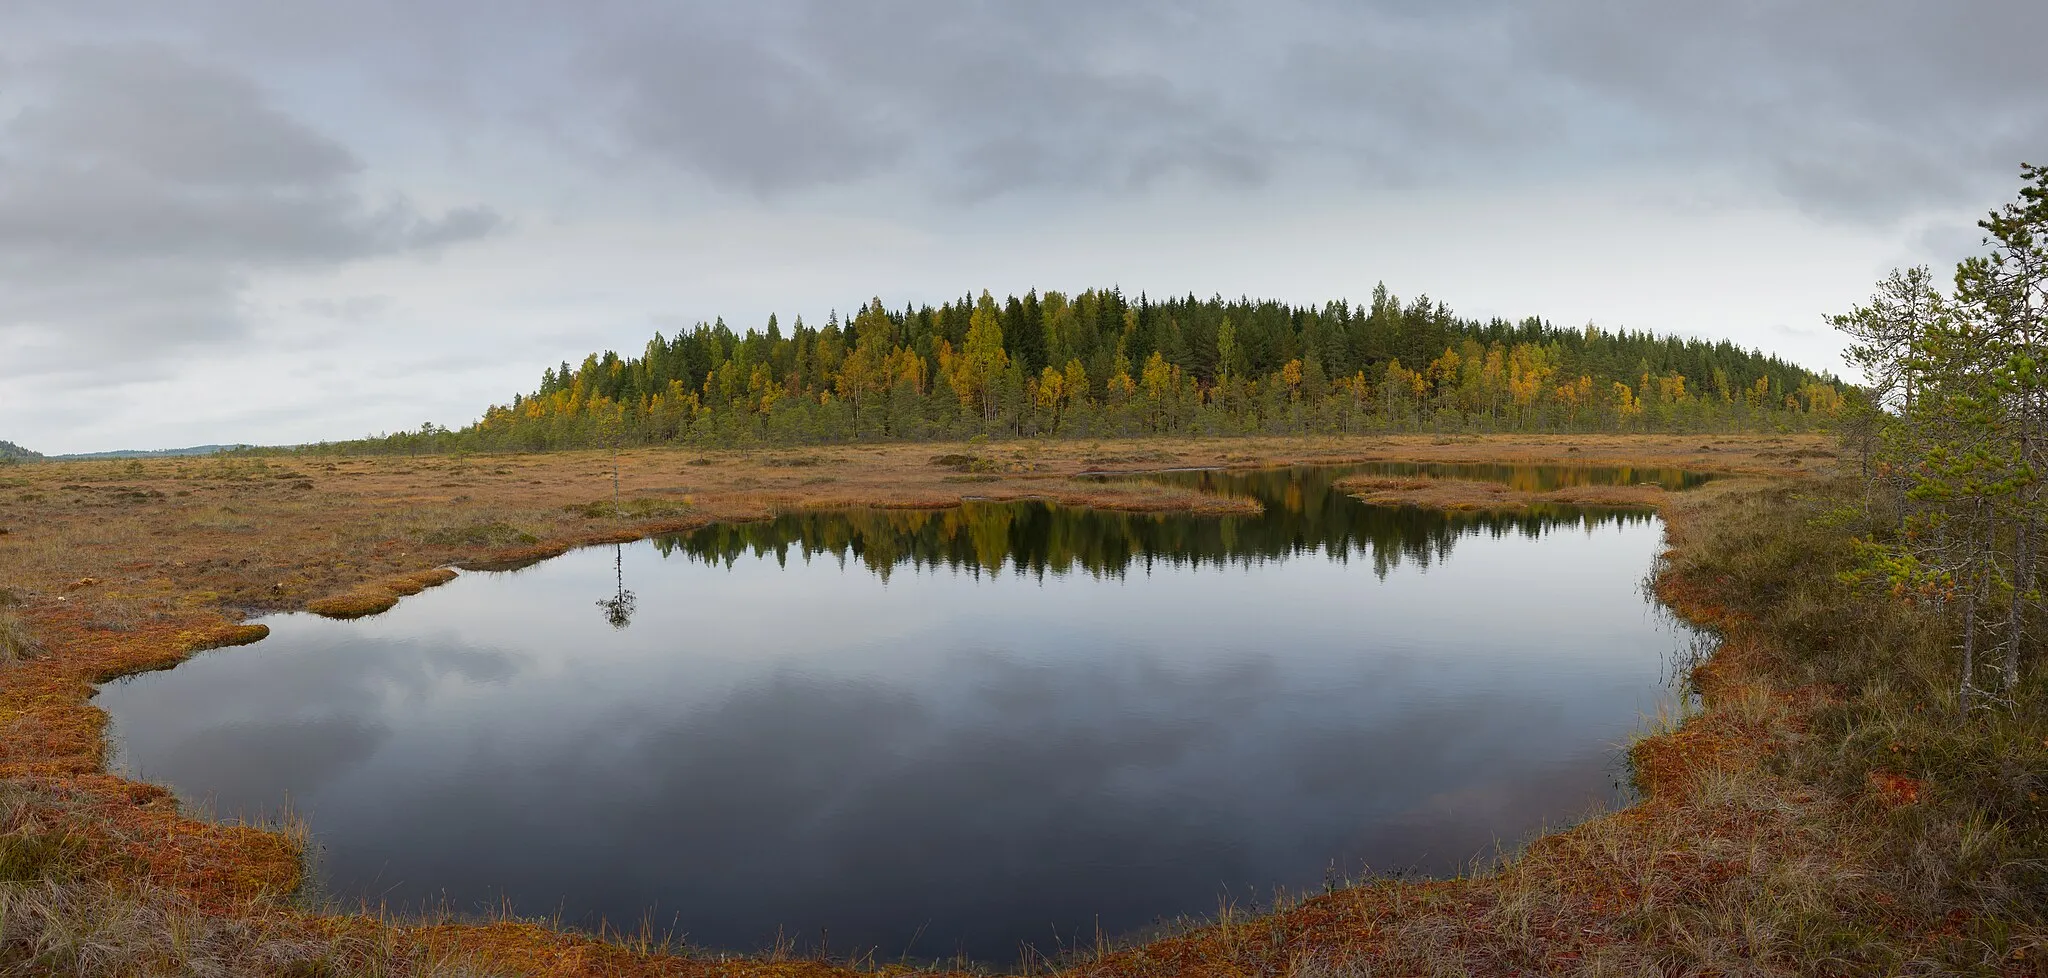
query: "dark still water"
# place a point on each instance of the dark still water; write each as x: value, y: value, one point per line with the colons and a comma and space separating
x: 932, y: 733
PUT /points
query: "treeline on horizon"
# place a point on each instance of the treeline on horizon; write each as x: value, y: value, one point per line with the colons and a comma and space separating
x: 1100, y: 364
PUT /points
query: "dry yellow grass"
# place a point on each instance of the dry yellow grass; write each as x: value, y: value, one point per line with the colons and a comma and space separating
x: 377, y: 596
x: 1465, y: 494
x: 121, y: 567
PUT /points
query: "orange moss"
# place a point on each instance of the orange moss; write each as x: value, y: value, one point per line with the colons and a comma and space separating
x: 369, y: 599
x: 534, y: 949
x: 1669, y: 763
x: 413, y: 583
x: 379, y: 597
x: 1896, y: 789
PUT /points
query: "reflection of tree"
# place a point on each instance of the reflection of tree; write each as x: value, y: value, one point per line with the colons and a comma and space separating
x: 1303, y: 514
x: 618, y: 609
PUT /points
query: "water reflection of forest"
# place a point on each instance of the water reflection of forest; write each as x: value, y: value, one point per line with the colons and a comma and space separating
x: 1303, y: 514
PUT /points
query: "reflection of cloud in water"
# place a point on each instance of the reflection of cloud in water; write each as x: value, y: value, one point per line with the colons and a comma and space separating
x: 983, y: 759
x: 257, y: 762
x: 870, y: 809
x: 300, y: 710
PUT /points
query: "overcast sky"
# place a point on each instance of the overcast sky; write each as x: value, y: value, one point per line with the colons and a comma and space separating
x: 271, y: 221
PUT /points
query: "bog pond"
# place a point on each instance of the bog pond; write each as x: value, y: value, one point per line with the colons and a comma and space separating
x: 946, y: 733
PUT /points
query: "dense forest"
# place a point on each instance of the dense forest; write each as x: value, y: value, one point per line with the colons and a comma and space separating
x: 10, y: 451
x: 1102, y: 364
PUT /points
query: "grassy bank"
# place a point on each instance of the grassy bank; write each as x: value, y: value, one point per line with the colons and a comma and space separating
x: 1827, y: 811
x: 1945, y: 812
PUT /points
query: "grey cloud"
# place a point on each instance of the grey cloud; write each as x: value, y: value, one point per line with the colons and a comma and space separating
x: 1858, y: 111
x: 157, y: 161
x: 139, y: 190
x: 152, y: 110
x: 1947, y: 243
x: 458, y: 225
x: 1862, y: 112
x: 969, y: 100
x: 348, y: 309
x: 1403, y: 104
x: 717, y: 100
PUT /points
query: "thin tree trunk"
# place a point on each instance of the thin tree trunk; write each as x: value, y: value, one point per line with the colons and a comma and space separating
x: 1971, y: 584
x: 1969, y: 643
x: 2015, y: 619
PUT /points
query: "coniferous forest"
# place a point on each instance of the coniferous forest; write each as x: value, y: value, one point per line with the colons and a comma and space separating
x: 1953, y: 438
x: 1103, y: 364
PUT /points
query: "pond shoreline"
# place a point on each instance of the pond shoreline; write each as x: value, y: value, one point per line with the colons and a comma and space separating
x: 1042, y: 654
x: 103, y: 616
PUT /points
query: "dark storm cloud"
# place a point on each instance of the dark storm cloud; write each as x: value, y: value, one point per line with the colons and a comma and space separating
x: 138, y: 190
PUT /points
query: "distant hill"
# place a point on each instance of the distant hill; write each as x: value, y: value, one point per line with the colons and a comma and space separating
x: 1102, y: 363
x: 155, y: 453
x: 9, y: 449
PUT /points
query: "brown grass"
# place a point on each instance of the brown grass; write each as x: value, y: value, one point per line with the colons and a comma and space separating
x: 1464, y: 494
x: 17, y: 643
x: 1734, y: 863
x: 1729, y: 866
x: 379, y: 596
